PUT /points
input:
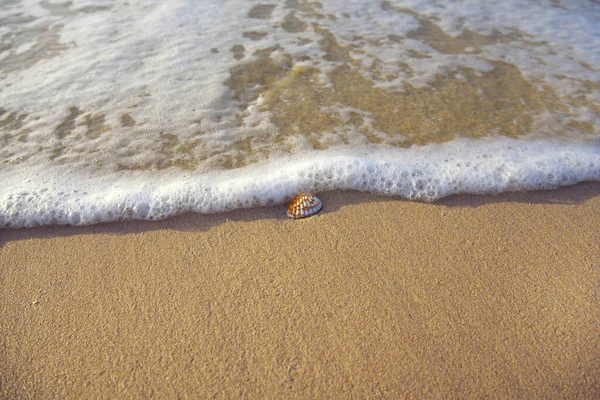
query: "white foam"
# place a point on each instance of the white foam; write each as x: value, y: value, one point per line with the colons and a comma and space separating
x: 554, y: 44
x: 152, y: 59
x: 419, y: 173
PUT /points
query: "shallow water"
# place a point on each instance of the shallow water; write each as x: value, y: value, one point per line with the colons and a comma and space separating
x: 113, y: 110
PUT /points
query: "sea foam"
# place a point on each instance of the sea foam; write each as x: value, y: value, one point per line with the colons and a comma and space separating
x: 116, y: 110
x: 428, y: 173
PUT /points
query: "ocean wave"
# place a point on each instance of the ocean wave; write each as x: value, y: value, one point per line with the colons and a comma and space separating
x: 426, y: 173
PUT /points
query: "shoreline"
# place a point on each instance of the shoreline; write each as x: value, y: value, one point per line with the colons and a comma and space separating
x: 428, y: 173
x: 374, y: 296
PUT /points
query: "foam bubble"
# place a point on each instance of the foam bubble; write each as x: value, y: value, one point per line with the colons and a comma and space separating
x: 420, y: 173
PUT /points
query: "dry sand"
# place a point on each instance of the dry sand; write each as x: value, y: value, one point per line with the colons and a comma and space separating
x: 374, y: 297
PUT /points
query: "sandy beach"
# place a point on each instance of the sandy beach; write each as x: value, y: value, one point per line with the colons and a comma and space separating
x: 375, y: 297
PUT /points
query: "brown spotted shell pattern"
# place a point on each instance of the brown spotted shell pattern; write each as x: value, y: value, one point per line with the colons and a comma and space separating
x: 304, y: 205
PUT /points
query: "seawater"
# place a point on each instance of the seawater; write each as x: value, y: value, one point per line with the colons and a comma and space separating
x: 114, y: 110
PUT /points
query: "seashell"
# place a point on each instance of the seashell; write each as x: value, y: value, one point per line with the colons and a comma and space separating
x: 304, y: 205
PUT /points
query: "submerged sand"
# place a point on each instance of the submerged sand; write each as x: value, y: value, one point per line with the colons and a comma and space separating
x: 488, y: 296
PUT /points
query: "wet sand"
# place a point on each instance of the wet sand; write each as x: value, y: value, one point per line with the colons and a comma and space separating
x: 480, y: 296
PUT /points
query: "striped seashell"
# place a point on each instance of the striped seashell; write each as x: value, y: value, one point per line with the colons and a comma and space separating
x: 304, y: 205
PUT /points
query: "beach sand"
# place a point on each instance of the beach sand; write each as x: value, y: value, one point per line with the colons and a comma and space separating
x: 480, y: 296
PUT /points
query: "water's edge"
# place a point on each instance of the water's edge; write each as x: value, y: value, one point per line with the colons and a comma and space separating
x: 427, y: 173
